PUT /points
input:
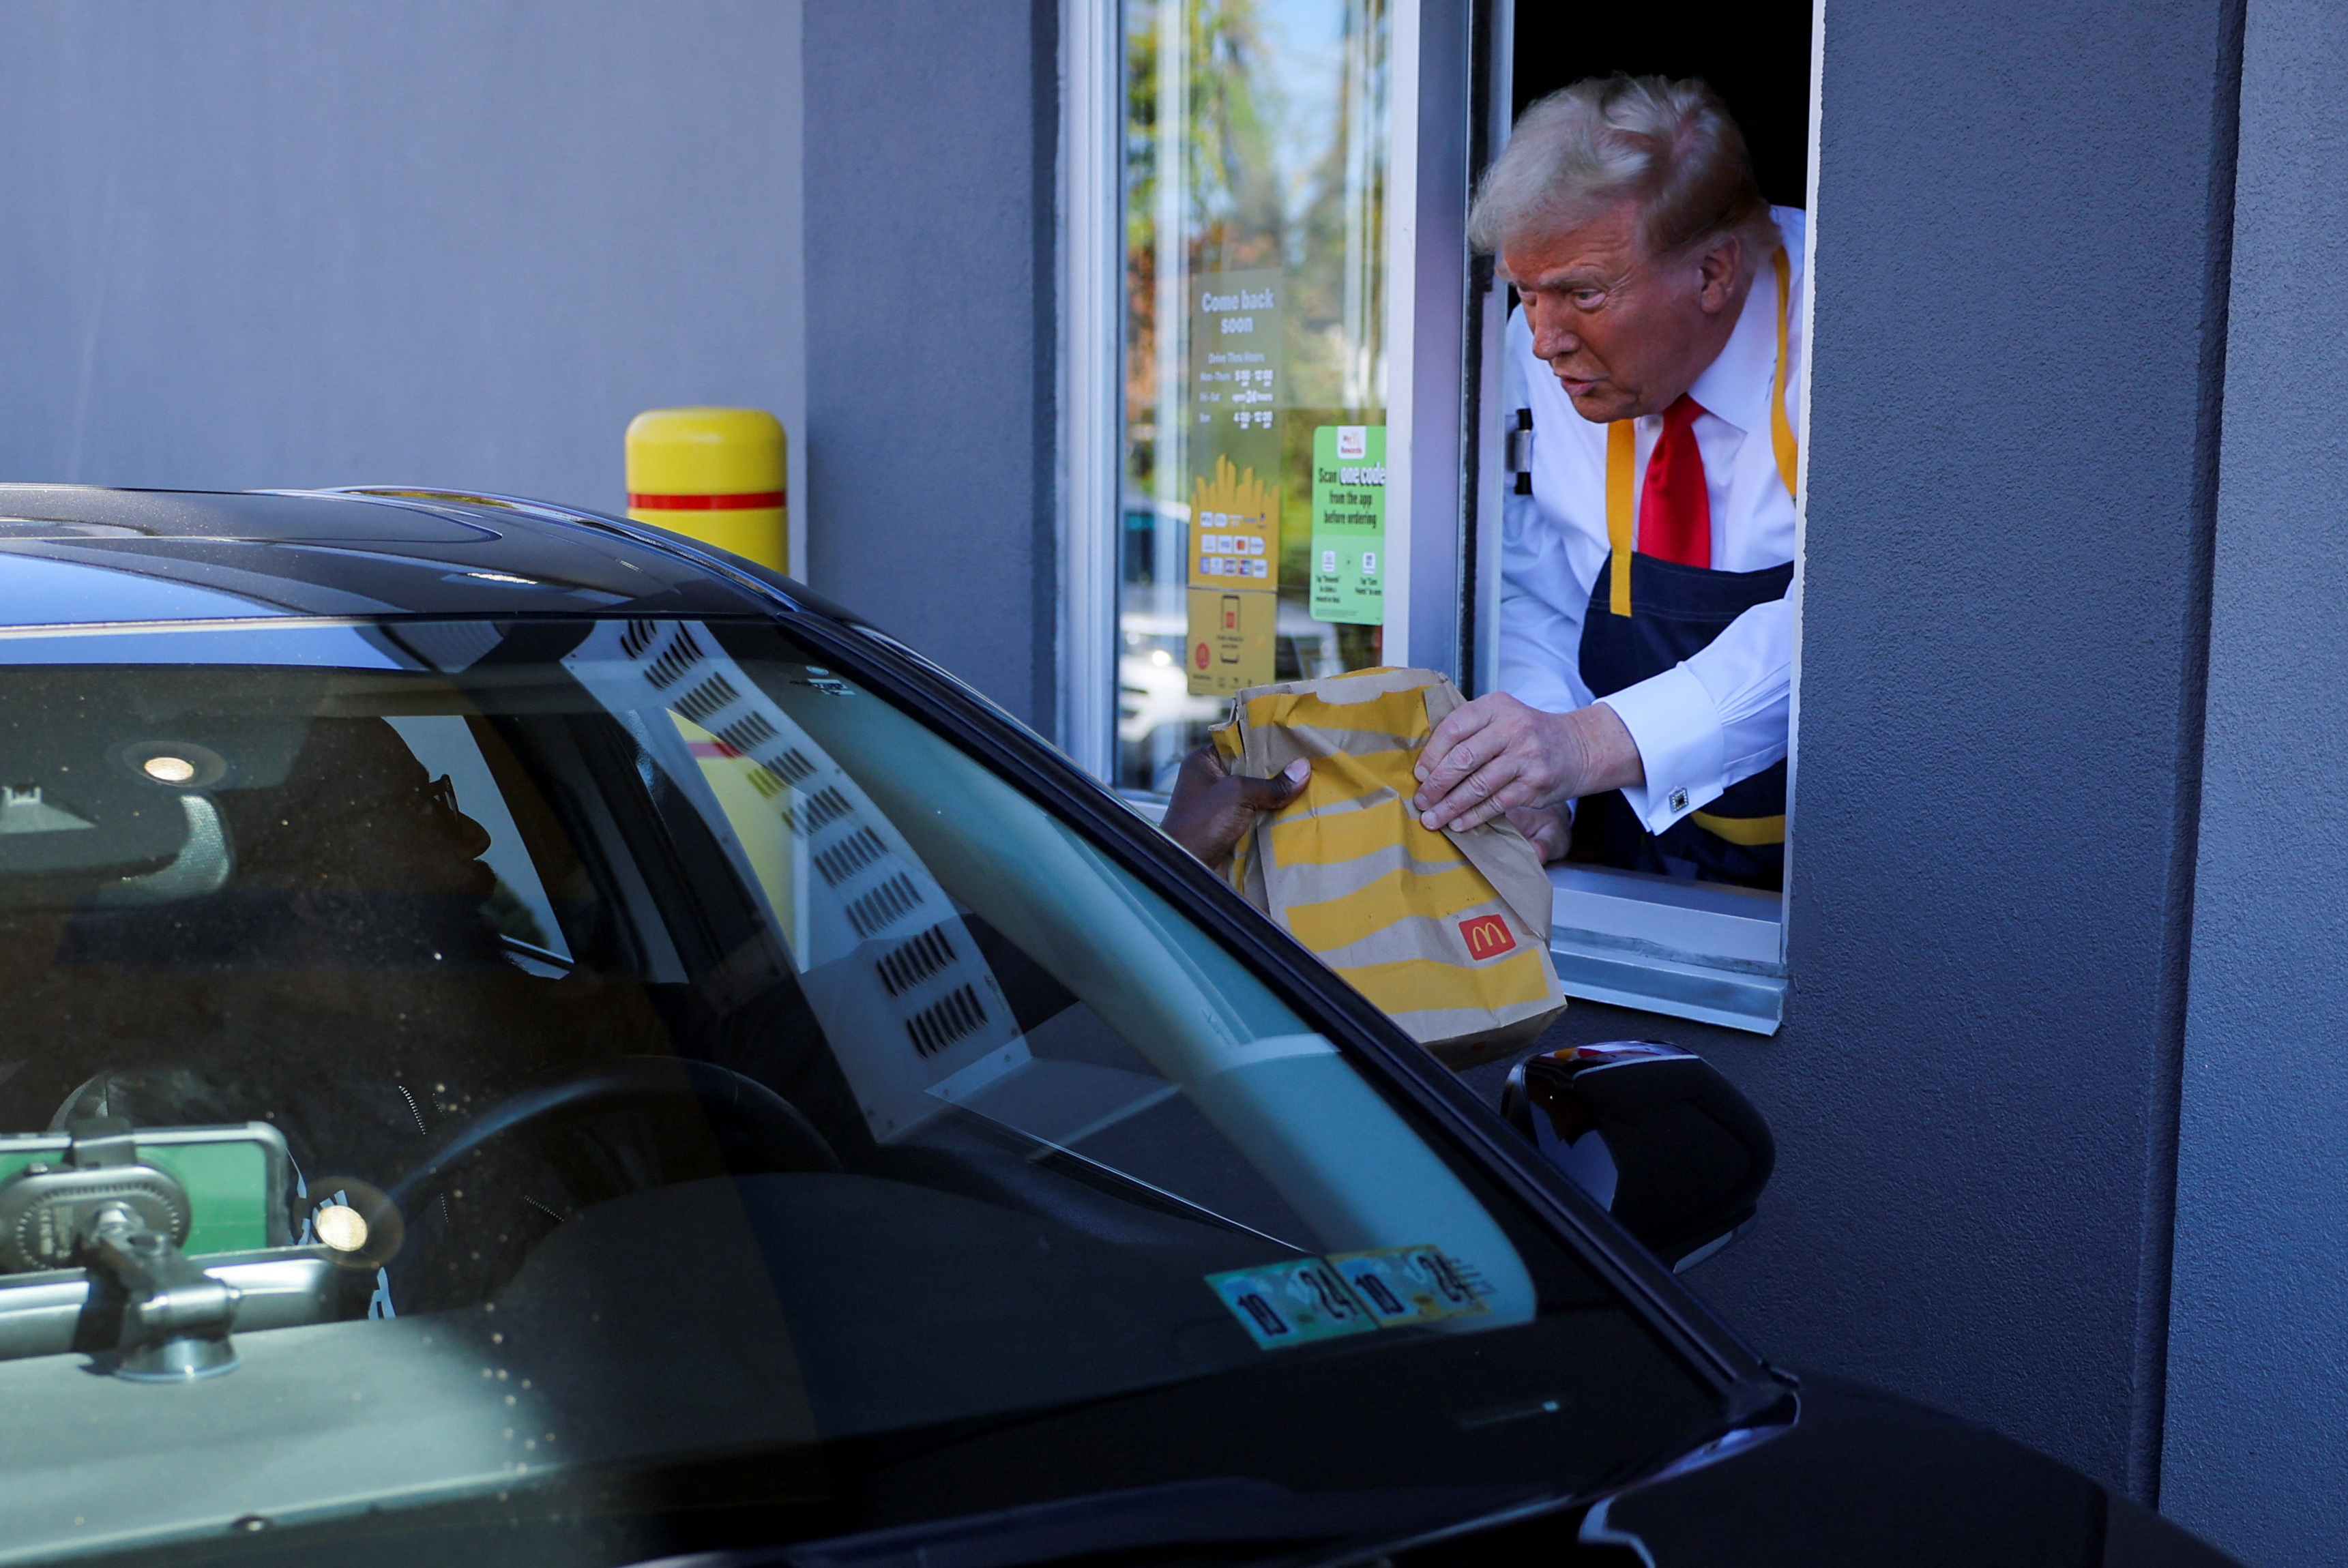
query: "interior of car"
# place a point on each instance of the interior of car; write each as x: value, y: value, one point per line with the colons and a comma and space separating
x: 484, y: 954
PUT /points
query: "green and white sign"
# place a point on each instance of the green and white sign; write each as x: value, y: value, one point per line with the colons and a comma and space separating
x: 1349, y: 524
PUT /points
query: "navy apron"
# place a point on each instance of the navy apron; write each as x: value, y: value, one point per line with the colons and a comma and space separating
x: 1677, y: 610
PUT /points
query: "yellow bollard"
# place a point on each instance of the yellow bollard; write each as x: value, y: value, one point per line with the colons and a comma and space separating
x: 718, y: 473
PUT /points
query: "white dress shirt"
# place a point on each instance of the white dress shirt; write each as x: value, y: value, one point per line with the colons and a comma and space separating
x: 1720, y: 716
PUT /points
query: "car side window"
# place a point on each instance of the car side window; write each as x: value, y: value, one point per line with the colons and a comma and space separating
x: 520, y: 907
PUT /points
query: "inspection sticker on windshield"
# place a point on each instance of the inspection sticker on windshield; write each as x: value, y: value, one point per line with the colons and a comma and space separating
x: 1349, y: 1292
x: 1403, y: 1285
x: 1292, y: 1303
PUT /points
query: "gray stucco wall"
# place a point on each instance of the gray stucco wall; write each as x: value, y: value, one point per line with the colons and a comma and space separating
x: 932, y: 160
x: 2258, y: 1398
x: 2011, y: 444
x: 274, y: 242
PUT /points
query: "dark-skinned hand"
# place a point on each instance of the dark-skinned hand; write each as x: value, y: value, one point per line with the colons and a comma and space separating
x: 1213, y: 807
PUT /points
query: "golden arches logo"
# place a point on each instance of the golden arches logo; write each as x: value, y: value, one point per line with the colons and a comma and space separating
x: 1487, y: 937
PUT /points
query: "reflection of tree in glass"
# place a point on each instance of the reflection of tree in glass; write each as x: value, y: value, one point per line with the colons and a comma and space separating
x: 1336, y: 248
x: 1233, y: 213
x: 1336, y: 349
x: 1141, y: 244
x: 1278, y: 161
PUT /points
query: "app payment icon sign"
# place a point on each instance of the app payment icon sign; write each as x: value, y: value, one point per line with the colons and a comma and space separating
x: 1487, y: 937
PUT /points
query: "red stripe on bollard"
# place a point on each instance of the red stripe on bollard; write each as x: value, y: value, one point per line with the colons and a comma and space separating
x: 740, y: 501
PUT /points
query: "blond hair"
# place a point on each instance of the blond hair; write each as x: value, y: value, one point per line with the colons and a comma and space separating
x: 1671, y: 147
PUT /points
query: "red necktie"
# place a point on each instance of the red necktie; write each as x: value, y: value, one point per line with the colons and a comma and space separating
x: 1675, y: 508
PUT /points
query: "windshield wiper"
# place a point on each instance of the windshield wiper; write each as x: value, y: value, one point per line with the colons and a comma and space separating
x: 1225, y: 1511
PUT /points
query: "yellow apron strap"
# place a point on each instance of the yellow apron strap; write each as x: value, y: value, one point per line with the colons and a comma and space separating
x: 1621, y: 451
x: 1781, y: 430
x: 1748, y: 831
x: 1754, y: 831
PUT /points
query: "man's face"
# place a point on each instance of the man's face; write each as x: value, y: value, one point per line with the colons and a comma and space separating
x: 1624, y: 333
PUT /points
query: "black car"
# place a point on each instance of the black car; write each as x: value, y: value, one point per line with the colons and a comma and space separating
x: 531, y: 1041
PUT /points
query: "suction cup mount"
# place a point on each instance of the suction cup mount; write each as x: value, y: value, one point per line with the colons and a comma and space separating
x: 124, y: 1221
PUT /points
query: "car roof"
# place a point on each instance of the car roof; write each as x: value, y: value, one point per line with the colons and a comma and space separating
x: 84, y: 555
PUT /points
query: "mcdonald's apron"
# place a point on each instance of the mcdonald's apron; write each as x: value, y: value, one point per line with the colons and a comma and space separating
x: 1676, y: 612
x: 1645, y: 616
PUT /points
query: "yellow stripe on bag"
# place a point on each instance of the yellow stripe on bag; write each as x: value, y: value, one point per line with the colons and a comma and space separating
x: 1339, y: 837
x: 1397, y: 712
x: 1398, y: 717
x: 1360, y: 686
x: 1339, y: 779
x: 1340, y: 922
x: 1426, y: 984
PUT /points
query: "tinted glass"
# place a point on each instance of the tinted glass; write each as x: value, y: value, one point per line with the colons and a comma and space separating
x: 1251, y: 530
x: 607, y: 1053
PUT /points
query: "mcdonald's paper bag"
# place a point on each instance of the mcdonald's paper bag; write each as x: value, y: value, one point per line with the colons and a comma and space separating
x: 1447, y: 932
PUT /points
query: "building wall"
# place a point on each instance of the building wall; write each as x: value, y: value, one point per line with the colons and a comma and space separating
x: 281, y: 242
x: 2013, y: 429
x: 2014, y: 442
x: 2258, y: 1402
x: 310, y: 241
x: 932, y: 159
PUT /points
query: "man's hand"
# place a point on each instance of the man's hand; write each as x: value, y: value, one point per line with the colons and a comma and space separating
x: 1495, y: 755
x: 1548, y: 827
x: 1213, y: 807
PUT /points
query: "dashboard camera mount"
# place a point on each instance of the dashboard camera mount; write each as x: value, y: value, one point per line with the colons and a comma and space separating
x: 124, y: 1221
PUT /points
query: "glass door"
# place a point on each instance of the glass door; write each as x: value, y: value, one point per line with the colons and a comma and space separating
x: 1252, y: 522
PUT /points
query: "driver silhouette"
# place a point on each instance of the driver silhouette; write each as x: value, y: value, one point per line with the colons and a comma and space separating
x: 345, y: 986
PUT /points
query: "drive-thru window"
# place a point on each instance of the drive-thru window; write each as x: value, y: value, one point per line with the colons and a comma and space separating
x: 1289, y: 441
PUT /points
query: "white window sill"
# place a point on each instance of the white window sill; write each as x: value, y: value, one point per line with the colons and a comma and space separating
x: 1699, y: 950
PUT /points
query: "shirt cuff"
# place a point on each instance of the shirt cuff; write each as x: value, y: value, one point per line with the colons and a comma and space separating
x: 1682, y: 745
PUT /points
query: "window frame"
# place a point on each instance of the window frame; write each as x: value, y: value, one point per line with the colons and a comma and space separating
x: 1372, y: 1041
x: 1091, y: 278
x: 1618, y: 937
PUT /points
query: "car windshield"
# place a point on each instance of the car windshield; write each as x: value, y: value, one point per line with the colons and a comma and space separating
x: 634, y: 1082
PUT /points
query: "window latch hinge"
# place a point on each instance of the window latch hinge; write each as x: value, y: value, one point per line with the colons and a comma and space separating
x: 1520, y: 451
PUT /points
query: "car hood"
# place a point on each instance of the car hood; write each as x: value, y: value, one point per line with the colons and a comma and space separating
x: 1864, y: 1476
